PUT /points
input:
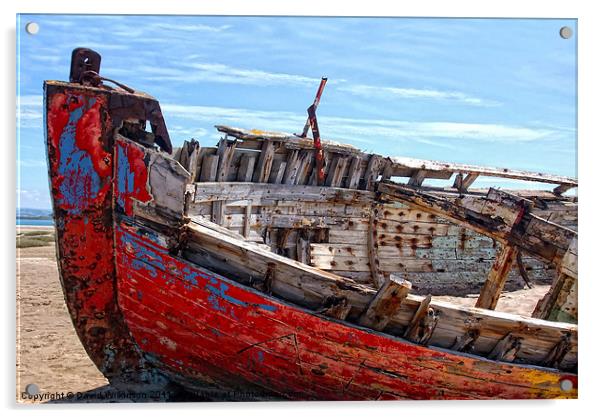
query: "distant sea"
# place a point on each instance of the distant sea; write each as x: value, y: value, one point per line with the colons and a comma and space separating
x: 34, y: 222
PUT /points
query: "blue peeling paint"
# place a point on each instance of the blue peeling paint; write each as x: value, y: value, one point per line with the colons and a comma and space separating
x: 81, y: 182
x: 190, y: 277
x: 125, y: 176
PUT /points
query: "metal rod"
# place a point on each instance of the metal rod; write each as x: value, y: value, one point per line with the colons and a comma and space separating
x: 316, y: 103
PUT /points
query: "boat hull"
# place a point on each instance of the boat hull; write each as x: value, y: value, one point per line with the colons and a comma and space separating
x: 145, y: 314
x: 207, y: 329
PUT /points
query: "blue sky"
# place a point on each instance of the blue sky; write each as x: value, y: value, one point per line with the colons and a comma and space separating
x: 496, y: 92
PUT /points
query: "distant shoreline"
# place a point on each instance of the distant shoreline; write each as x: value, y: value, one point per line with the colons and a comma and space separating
x: 35, y: 226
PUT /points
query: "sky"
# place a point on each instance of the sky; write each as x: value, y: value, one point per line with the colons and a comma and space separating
x: 494, y: 92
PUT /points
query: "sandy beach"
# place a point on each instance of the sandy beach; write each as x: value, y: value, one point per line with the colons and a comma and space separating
x: 49, y: 353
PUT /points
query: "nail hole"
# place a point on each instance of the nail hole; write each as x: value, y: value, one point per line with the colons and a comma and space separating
x: 32, y: 28
x: 566, y: 32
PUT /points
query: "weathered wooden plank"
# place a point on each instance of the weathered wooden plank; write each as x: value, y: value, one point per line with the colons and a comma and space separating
x: 372, y: 246
x: 500, y: 216
x: 278, y: 173
x: 258, y: 192
x: 189, y: 156
x: 293, y: 162
x: 168, y: 181
x: 372, y: 171
x: 217, y: 211
x: 264, y: 164
x: 245, y: 170
x: 385, y: 303
x: 354, y: 174
x: 410, y: 163
x: 336, y: 171
x: 305, y: 168
x: 417, y: 178
x: 209, y: 168
x: 225, y: 153
x: 496, y: 278
x: 247, y: 224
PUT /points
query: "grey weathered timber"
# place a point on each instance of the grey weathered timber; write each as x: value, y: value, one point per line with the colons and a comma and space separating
x: 355, y: 173
x: 372, y: 172
x: 264, y: 164
x: 245, y: 170
x: 496, y: 279
x: 209, y: 168
x: 417, y: 178
x: 500, y: 216
x: 225, y: 153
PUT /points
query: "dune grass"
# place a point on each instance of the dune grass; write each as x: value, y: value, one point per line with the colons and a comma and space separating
x: 35, y: 238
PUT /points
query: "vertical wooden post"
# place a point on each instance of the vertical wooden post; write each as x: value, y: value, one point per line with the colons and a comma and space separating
x: 492, y: 289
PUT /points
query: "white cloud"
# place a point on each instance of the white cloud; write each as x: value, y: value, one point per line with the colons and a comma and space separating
x: 363, y: 131
x: 411, y: 93
x: 189, y: 28
x: 221, y: 73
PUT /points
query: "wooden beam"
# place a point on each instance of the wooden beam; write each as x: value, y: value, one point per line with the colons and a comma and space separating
x: 247, y: 225
x: 372, y: 246
x: 385, y: 303
x: 355, y: 173
x: 492, y: 289
x: 293, y: 163
x: 417, y: 178
x: 209, y: 168
x: 336, y: 171
x: 413, y: 328
x: 225, y: 153
x: 277, y: 174
x: 264, y: 165
x: 217, y: 211
x: 506, y: 349
x: 245, y: 170
x: 558, y: 190
x: 372, y: 170
x: 468, y: 180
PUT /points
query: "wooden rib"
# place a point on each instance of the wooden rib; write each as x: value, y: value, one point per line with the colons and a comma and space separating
x: 209, y: 168
x: 293, y: 162
x: 372, y: 247
x: 225, y: 153
x: 417, y: 178
x: 372, y: 171
x: 412, y: 329
x: 247, y: 225
x: 492, y: 289
x: 245, y: 170
x: 385, y: 303
x: 336, y: 171
x: 355, y: 173
x: 264, y: 165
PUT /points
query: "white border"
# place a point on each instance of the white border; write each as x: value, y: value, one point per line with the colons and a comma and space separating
x: 590, y: 112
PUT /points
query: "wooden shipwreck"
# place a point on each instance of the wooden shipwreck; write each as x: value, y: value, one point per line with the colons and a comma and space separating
x: 283, y: 267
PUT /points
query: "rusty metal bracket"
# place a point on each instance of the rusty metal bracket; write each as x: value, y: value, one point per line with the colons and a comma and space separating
x: 83, y: 62
x: 124, y: 105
